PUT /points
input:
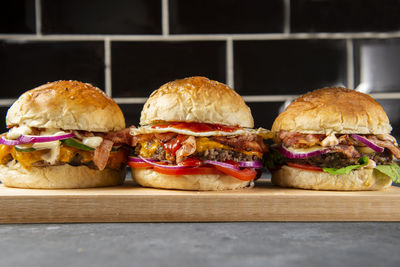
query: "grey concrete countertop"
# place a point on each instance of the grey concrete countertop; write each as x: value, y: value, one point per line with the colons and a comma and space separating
x: 201, y: 244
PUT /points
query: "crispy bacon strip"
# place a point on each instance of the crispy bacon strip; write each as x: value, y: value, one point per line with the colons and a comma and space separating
x: 165, y: 137
x: 188, y: 148
x: 295, y: 139
x: 348, y: 151
x: 386, y: 144
x: 121, y: 137
x: 162, y: 137
x: 386, y: 137
x: 102, y: 153
x: 82, y: 134
x: 347, y: 140
x: 141, y: 138
x: 249, y: 142
x: 346, y: 143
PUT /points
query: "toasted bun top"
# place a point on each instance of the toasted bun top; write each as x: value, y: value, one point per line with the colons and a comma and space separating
x: 337, y: 110
x: 68, y: 105
x: 197, y: 99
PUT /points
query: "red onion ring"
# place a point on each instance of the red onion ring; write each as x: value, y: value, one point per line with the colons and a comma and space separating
x: 292, y: 155
x: 368, y: 143
x: 250, y: 164
x: 9, y: 142
x: 171, y: 167
x: 41, y: 139
x: 136, y: 159
x: 222, y: 164
x: 242, y: 164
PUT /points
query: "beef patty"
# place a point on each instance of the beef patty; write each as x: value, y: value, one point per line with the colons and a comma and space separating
x: 218, y: 154
x: 338, y: 160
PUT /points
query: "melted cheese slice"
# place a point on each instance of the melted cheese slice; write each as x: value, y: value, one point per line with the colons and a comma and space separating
x: 147, y: 150
x: 27, y: 158
x: 4, y: 152
x: 67, y: 153
x: 202, y: 144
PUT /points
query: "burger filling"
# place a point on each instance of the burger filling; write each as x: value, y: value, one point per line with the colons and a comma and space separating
x: 193, y: 146
x: 174, y: 148
x: 336, y: 153
x: 39, y: 147
x: 339, y: 160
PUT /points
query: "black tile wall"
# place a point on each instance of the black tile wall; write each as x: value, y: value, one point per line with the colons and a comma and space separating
x: 264, y: 113
x: 3, y: 112
x: 138, y: 68
x: 25, y: 65
x: 392, y: 108
x: 288, y: 66
x: 344, y: 15
x: 17, y: 16
x: 101, y: 17
x: 225, y: 16
x: 377, y: 65
x: 131, y: 113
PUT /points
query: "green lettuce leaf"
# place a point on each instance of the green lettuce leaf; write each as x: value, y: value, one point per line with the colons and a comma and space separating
x: 393, y: 171
x: 346, y: 170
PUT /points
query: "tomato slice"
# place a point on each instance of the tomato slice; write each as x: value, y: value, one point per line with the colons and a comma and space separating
x: 189, y: 171
x: 305, y: 167
x: 193, y: 168
x: 190, y: 162
x: 244, y: 175
x: 139, y: 165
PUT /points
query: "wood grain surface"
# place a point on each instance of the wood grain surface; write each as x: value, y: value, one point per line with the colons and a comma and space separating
x: 130, y: 203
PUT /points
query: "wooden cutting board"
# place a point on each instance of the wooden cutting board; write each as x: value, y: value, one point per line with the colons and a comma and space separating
x: 130, y: 203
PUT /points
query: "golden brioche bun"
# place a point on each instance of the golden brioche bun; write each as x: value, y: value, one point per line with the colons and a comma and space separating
x: 197, y: 99
x: 337, y: 110
x: 62, y: 176
x: 206, y: 182
x: 69, y: 105
x: 364, y: 179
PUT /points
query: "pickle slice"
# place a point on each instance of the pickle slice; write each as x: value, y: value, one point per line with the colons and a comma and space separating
x: 77, y: 144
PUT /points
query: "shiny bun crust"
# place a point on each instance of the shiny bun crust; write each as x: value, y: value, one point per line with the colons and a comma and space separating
x: 62, y: 176
x: 68, y: 105
x: 208, y: 182
x: 197, y: 99
x: 365, y: 179
x: 337, y: 110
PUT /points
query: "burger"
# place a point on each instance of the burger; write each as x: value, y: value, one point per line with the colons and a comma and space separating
x: 196, y: 134
x: 64, y: 134
x: 334, y: 139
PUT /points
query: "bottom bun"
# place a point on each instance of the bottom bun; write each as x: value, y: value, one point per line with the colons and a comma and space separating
x: 62, y: 176
x: 365, y: 179
x: 150, y: 178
